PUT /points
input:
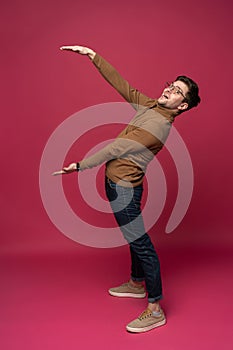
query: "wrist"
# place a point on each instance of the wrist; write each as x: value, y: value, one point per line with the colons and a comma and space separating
x: 77, y: 167
x: 91, y: 54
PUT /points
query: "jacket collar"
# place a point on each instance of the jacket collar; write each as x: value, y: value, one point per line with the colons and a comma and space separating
x: 167, y: 113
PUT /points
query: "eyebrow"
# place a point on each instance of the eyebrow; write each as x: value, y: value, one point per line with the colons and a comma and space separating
x: 178, y: 88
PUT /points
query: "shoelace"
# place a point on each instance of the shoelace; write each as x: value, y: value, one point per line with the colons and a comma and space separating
x: 146, y: 313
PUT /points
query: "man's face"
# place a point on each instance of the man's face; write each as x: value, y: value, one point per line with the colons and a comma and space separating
x: 173, y: 96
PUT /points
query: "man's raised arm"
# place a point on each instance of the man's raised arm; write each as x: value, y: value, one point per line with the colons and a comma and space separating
x: 129, y: 93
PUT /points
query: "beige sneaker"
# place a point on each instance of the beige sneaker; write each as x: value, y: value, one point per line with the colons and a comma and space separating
x: 127, y: 290
x: 147, y: 321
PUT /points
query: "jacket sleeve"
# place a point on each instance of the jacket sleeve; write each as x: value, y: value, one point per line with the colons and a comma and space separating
x: 129, y: 93
x: 138, y: 143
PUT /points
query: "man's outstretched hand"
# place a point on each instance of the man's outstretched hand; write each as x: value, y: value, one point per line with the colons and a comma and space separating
x: 70, y: 168
x: 81, y: 50
x: 67, y: 170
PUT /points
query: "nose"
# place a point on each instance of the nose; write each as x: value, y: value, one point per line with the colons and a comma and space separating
x: 167, y: 90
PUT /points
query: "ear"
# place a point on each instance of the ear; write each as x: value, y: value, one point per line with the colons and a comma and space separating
x: 183, y: 106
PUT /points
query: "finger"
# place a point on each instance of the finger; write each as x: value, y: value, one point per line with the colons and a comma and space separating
x: 72, y: 48
x: 66, y: 48
x: 60, y: 172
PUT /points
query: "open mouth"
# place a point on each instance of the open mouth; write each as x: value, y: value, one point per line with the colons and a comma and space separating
x: 166, y: 96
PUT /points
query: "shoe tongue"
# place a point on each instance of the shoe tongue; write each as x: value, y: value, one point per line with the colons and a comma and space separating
x: 145, y: 313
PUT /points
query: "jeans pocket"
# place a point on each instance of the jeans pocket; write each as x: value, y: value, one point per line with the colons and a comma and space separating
x: 111, y: 184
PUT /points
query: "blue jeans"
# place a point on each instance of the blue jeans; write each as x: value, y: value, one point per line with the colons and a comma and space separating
x: 126, y: 206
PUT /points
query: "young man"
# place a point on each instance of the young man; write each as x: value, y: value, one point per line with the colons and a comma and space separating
x: 126, y: 160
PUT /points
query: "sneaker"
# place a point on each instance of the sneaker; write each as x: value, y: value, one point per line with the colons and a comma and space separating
x: 127, y: 290
x: 147, y: 321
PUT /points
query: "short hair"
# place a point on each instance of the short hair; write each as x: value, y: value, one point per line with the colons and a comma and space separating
x: 192, y: 96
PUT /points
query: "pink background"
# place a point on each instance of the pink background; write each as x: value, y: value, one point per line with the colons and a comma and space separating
x: 53, y: 290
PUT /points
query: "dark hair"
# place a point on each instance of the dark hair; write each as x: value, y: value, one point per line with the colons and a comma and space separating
x: 192, y: 97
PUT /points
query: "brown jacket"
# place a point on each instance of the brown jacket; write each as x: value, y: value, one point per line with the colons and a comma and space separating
x: 128, y: 156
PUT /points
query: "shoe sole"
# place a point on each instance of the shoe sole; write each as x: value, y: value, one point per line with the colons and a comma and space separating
x: 127, y: 295
x: 145, y: 329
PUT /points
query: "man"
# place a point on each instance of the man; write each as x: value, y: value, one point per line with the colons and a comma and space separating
x: 126, y: 160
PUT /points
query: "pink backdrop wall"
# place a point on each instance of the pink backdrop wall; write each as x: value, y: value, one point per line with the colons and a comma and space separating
x: 149, y: 43
x: 45, y: 277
